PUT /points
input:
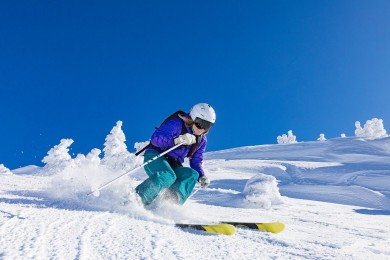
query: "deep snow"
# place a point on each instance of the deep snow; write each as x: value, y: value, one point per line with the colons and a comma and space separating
x: 335, y: 202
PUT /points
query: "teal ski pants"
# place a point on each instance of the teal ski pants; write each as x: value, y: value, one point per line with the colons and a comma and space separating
x: 162, y: 175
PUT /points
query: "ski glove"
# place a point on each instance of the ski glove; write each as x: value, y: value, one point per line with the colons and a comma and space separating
x: 204, y: 182
x: 185, y: 139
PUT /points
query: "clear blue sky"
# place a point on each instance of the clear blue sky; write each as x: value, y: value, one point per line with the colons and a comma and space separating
x: 71, y: 69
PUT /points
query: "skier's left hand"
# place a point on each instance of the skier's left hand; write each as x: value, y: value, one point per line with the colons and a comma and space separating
x: 204, y: 182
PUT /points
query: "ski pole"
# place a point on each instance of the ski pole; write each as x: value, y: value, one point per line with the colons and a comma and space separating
x: 136, y: 168
x: 195, y: 191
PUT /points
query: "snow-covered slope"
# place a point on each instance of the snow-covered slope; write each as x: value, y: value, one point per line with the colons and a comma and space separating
x: 349, y: 171
x: 335, y: 204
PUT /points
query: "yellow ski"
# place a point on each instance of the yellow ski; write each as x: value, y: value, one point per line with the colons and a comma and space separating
x: 221, y: 229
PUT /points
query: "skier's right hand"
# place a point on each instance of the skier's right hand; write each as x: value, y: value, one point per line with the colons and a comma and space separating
x: 185, y: 139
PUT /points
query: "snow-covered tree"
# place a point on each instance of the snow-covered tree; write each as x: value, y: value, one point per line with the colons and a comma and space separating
x: 287, y: 139
x: 58, y: 157
x: 372, y: 129
x: 116, y: 155
x: 5, y: 170
x: 92, y: 158
x: 322, y: 138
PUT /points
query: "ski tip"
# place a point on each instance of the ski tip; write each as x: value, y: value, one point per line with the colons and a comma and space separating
x: 275, y: 227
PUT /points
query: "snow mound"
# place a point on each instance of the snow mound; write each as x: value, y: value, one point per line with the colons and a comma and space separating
x: 262, y: 190
x: 5, y: 170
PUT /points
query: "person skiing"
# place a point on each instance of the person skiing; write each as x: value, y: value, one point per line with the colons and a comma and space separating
x: 167, y: 176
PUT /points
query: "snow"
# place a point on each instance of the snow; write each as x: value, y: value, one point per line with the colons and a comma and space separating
x: 333, y: 196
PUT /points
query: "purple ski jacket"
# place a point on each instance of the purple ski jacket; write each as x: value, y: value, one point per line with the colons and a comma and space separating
x: 163, y: 138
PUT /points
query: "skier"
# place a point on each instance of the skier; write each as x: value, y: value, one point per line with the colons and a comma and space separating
x: 167, y: 176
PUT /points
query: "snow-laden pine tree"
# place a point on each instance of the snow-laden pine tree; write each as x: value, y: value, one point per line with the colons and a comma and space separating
x: 290, y: 138
x: 93, y: 156
x: 92, y: 159
x: 372, y: 129
x: 58, y: 157
x: 321, y: 138
x: 116, y: 155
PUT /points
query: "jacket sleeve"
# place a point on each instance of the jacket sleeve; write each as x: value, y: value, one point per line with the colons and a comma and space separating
x: 164, y: 135
x: 196, y: 162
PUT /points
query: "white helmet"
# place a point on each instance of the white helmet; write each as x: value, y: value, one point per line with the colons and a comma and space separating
x: 203, y: 115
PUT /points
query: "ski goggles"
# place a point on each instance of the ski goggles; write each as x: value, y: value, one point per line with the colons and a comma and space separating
x: 202, y: 124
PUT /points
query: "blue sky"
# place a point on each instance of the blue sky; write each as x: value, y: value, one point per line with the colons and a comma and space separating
x: 72, y: 69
